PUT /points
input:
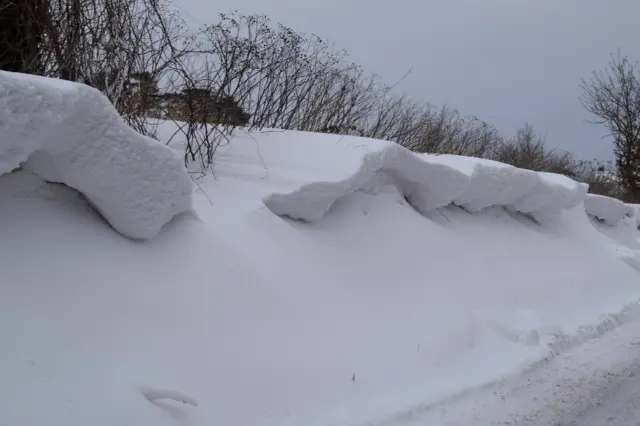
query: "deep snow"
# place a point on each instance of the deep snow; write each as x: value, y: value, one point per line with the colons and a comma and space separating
x: 430, y: 182
x: 70, y: 133
x: 608, y: 210
x: 385, y: 297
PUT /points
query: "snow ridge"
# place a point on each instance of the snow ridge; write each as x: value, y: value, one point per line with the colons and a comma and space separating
x: 431, y: 181
x: 608, y: 210
x: 70, y: 133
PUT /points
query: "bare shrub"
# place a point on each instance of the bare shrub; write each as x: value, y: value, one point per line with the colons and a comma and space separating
x: 601, y: 181
x: 239, y: 71
x: 198, y: 111
x: 246, y: 71
x: 446, y: 131
x: 527, y: 150
x: 120, y: 47
x: 282, y: 79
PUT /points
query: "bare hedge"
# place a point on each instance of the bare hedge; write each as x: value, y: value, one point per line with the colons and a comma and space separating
x: 247, y: 71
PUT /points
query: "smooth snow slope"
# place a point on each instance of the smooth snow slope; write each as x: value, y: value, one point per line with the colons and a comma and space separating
x: 70, y: 133
x: 463, y: 280
x: 258, y: 320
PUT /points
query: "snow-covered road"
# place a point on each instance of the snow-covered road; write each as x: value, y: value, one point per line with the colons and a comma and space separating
x: 618, y: 402
x: 595, y: 384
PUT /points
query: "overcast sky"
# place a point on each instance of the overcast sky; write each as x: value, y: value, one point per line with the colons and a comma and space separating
x: 504, y: 61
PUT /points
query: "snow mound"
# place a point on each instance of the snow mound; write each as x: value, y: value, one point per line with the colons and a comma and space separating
x: 372, y: 311
x: 606, y: 209
x: 70, y: 133
x: 429, y: 182
x: 636, y: 209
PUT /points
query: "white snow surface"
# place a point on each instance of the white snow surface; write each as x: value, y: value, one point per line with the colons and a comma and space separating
x: 608, y: 210
x: 70, y: 133
x: 246, y: 318
x: 430, y: 182
x: 619, y: 223
x: 636, y: 209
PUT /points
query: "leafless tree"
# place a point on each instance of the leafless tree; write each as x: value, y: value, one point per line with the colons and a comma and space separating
x: 613, y: 97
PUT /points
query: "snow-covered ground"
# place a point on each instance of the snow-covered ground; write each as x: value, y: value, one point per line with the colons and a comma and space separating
x: 594, y: 384
x: 407, y: 280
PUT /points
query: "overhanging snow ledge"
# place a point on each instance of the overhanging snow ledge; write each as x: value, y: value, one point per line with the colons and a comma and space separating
x: 70, y: 133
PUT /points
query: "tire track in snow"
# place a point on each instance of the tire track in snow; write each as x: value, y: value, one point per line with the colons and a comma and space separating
x: 578, y: 378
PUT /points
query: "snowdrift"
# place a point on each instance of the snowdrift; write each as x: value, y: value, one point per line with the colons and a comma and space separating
x: 71, y: 134
x: 430, y: 182
x: 608, y: 210
x: 247, y: 318
x: 618, y: 222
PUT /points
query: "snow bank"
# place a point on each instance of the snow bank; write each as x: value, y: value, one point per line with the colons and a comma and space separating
x: 618, y: 222
x: 430, y: 182
x: 70, y: 133
x: 636, y: 209
x: 606, y: 209
x: 246, y: 319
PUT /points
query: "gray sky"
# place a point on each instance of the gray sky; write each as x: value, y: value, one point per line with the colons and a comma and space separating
x: 504, y: 61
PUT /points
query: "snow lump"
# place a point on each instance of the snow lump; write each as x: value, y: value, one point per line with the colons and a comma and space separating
x: 70, y: 133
